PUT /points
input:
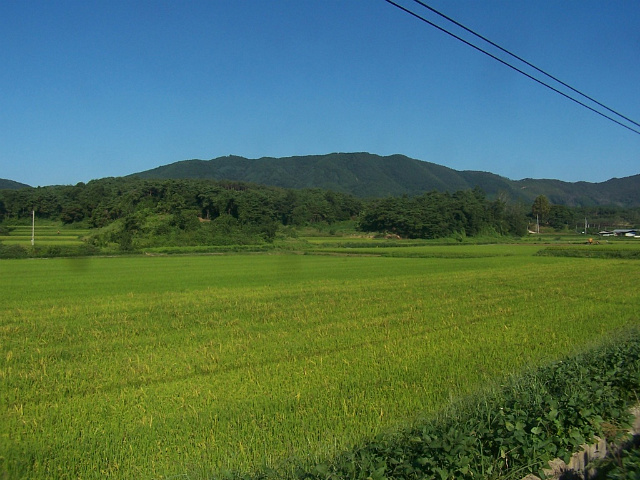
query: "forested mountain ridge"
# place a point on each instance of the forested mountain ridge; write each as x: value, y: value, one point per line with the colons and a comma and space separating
x: 368, y: 175
x: 11, y: 185
x: 360, y: 174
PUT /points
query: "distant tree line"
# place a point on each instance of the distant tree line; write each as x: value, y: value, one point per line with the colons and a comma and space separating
x: 134, y: 212
x: 100, y: 202
x: 561, y: 217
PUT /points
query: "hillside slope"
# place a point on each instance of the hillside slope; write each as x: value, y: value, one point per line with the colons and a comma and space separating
x: 369, y: 175
x: 11, y: 185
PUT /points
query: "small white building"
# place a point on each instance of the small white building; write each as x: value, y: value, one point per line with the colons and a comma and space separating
x: 632, y: 232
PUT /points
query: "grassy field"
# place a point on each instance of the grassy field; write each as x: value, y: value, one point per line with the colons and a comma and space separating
x: 431, y: 251
x: 184, y: 366
x: 44, y: 235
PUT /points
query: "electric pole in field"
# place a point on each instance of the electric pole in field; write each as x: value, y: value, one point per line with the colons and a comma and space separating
x: 33, y: 227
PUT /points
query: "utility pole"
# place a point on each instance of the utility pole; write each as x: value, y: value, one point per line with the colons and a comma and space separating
x: 33, y: 227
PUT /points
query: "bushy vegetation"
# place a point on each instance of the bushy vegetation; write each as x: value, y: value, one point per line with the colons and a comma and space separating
x: 623, y: 465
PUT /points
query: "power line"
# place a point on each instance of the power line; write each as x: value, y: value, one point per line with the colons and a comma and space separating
x: 524, y: 61
x: 444, y: 30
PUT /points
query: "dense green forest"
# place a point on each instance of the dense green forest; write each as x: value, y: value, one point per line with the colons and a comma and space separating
x: 133, y: 213
x: 439, y: 215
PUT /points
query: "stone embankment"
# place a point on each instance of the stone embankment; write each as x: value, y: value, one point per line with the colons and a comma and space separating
x: 579, y: 464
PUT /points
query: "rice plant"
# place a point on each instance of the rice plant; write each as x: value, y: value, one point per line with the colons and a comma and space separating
x: 156, y: 367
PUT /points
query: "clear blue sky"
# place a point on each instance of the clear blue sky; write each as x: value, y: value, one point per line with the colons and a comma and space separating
x: 96, y: 88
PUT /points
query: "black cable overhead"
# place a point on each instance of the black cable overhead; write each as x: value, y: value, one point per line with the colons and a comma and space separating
x: 524, y: 61
x: 504, y: 62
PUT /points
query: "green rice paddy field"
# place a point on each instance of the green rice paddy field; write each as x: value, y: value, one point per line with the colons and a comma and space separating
x: 44, y: 235
x: 189, y: 366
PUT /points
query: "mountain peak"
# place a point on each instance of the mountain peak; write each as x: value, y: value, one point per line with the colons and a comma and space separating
x: 369, y: 175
